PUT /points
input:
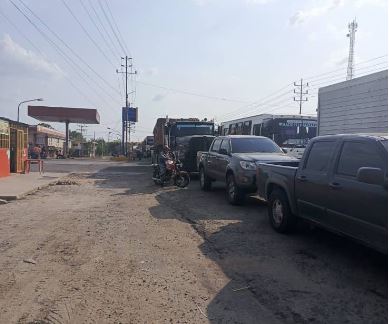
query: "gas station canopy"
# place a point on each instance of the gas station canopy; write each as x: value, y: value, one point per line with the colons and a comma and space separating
x: 64, y: 114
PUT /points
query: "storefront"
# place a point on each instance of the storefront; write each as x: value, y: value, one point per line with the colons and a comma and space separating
x: 17, y: 144
x: 4, y: 149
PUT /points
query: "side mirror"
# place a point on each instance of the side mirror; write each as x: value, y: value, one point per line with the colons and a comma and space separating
x: 223, y: 151
x: 284, y: 150
x: 371, y: 175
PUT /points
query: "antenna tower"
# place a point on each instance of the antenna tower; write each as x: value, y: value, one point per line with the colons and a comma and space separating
x: 352, y: 28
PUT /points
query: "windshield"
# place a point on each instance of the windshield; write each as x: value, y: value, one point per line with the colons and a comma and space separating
x: 385, y: 143
x: 192, y: 129
x: 254, y: 145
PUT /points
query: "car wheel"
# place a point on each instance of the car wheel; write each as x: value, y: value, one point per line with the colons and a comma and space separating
x: 280, y: 215
x: 235, y: 196
x: 205, y: 182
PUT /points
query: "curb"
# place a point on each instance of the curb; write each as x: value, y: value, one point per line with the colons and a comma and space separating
x: 23, y: 194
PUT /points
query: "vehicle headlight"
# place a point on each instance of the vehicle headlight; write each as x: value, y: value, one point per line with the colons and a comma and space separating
x: 248, y: 165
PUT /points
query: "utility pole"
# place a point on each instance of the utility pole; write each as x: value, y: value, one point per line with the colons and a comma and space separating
x: 352, y: 28
x: 300, y: 92
x: 125, y: 122
x: 81, y: 129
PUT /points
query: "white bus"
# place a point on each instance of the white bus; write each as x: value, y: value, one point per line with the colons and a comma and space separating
x: 291, y: 132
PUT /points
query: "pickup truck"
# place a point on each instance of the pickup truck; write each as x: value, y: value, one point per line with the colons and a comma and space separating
x: 340, y: 184
x: 233, y: 159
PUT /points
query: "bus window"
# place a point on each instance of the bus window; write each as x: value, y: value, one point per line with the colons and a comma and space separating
x: 246, y: 128
x: 257, y: 129
x: 225, y: 130
x: 232, y: 129
x: 239, y: 127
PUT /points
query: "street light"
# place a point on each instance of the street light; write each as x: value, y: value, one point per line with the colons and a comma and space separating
x: 38, y: 99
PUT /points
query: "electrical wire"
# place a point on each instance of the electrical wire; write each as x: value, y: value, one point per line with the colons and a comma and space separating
x: 110, y: 24
x: 68, y: 59
x: 38, y: 50
x: 87, y: 33
x: 103, y: 27
x: 99, y: 30
x: 186, y: 92
x: 69, y: 48
x: 117, y: 28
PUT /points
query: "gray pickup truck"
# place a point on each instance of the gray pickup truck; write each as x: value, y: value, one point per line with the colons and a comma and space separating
x: 340, y: 184
x: 233, y: 159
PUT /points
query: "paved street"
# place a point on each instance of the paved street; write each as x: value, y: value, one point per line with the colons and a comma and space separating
x: 111, y: 247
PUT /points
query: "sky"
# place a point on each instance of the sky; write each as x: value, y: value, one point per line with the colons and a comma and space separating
x: 215, y: 59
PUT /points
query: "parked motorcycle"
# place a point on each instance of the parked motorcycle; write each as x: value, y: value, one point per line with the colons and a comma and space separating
x: 173, y: 173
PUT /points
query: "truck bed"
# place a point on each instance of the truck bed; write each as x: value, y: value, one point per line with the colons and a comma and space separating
x: 281, y: 174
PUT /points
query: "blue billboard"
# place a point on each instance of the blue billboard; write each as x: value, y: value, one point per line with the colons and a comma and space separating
x: 129, y: 114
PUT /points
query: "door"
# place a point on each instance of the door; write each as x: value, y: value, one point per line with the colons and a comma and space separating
x: 311, y: 184
x: 13, y: 149
x: 356, y: 208
x: 20, y: 151
x: 223, y: 159
x: 212, y: 158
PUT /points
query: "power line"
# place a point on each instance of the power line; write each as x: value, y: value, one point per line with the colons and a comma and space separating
x: 105, y: 30
x: 69, y: 48
x: 110, y: 24
x: 21, y: 33
x: 187, y: 92
x: 87, y: 33
x: 310, y: 78
x: 98, y: 29
x: 38, y: 50
x: 59, y: 51
x: 257, y: 102
x: 117, y: 28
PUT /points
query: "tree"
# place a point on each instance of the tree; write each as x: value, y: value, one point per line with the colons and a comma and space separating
x: 76, y: 136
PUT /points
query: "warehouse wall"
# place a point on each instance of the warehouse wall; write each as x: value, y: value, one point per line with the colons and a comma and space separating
x: 355, y: 106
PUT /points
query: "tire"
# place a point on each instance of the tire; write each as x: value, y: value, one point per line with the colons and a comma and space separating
x: 205, y: 182
x: 280, y: 216
x: 182, y: 179
x: 156, y: 175
x: 235, y: 195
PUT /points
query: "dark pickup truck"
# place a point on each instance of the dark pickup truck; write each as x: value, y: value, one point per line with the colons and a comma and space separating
x: 233, y: 159
x: 339, y: 184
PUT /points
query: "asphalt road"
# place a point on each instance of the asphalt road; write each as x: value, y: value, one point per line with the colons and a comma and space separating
x: 114, y: 248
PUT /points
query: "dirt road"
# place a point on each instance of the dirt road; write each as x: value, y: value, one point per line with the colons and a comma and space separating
x: 110, y: 247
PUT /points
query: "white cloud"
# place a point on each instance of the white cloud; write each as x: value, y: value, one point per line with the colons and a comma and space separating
x: 303, y: 15
x: 16, y: 59
x: 159, y: 97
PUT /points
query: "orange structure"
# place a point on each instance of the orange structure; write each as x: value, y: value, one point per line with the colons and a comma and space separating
x: 4, y: 149
x: 14, y: 141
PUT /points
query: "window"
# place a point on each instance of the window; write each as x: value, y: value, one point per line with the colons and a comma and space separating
x: 216, y: 145
x: 239, y: 127
x: 257, y: 129
x: 254, y: 145
x: 319, y: 156
x: 246, y: 128
x: 225, y: 131
x: 225, y: 145
x: 356, y: 155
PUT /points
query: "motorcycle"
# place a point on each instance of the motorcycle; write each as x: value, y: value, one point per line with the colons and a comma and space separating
x: 173, y: 172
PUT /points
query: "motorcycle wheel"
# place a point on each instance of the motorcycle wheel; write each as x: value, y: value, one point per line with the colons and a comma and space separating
x: 156, y: 175
x: 182, y: 179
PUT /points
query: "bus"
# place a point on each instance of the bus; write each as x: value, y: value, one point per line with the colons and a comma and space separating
x: 290, y: 132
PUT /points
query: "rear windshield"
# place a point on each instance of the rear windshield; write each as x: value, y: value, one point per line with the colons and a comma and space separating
x: 254, y: 145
